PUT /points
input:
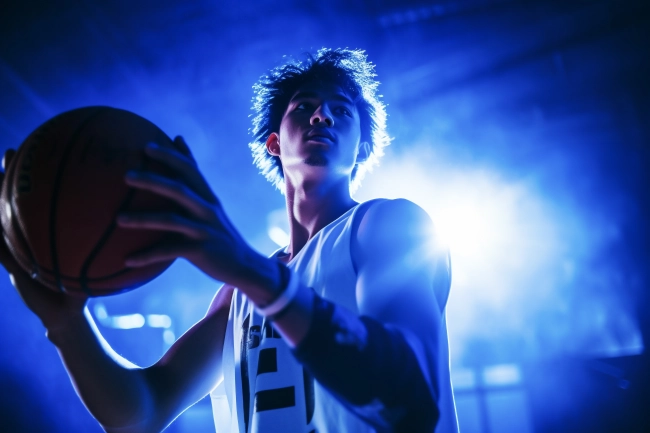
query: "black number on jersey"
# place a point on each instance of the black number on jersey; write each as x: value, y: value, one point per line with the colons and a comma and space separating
x: 269, y: 399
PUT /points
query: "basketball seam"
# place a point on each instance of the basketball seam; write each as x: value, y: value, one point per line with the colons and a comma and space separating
x: 17, y: 226
x: 83, y: 278
x: 56, y: 189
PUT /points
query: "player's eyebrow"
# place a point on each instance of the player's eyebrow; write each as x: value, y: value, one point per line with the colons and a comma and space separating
x: 315, y: 95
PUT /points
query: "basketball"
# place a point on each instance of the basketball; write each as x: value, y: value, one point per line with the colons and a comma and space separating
x: 61, y: 195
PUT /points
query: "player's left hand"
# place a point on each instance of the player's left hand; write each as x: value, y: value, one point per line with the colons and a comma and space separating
x: 203, y: 234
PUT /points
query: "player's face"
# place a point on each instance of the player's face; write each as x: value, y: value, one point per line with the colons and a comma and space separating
x: 319, y: 133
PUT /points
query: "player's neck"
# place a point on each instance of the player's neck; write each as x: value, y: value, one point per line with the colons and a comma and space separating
x: 312, y: 207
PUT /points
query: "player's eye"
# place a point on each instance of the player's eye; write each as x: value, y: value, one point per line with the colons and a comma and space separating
x: 344, y: 111
x: 303, y: 106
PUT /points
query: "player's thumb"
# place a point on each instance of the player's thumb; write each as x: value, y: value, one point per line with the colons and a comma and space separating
x: 6, y: 160
x: 182, y: 147
x: 6, y: 258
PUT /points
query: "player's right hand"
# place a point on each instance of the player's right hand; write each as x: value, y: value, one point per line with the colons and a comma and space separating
x: 53, y: 308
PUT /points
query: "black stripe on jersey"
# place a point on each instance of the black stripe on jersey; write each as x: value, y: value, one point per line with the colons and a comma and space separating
x: 268, y: 361
x: 269, y: 330
x: 243, y: 363
x: 278, y: 398
x: 310, y: 401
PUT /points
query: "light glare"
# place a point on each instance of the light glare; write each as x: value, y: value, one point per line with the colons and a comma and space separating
x: 129, y: 321
x: 159, y: 321
x: 503, y: 374
x: 279, y: 236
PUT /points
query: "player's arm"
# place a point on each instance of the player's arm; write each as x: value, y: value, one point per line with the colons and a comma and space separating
x: 382, y: 365
x: 120, y: 395
x: 186, y: 373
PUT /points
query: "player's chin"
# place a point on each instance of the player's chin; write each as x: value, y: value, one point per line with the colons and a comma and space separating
x: 316, y: 160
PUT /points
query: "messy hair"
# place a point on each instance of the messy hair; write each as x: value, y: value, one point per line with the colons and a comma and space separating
x: 348, y: 68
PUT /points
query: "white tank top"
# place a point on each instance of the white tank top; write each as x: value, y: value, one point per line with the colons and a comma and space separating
x: 265, y: 390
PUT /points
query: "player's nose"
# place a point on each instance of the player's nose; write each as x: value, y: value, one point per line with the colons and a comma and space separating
x: 322, y: 114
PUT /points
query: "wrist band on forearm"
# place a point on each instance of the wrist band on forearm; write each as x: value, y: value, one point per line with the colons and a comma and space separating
x: 284, y: 299
x: 374, y: 372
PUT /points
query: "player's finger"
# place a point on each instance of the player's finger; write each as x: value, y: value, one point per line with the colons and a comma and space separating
x: 184, y: 166
x: 173, y: 190
x: 171, y: 157
x: 221, y: 245
x: 163, y: 253
x: 182, y: 146
x: 165, y: 222
x: 6, y: 159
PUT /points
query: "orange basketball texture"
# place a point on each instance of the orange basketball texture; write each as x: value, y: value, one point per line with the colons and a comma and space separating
x: 63, y: 191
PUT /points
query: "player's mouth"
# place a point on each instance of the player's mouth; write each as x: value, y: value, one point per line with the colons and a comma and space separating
x: 321, y: 136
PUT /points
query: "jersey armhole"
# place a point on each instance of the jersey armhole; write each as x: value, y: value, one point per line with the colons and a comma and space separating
x: 357, y: 217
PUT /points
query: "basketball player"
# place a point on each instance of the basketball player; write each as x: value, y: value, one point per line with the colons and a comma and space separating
x: 343, y: 330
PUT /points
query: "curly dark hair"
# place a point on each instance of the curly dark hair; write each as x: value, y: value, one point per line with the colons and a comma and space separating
x: 348, y: 68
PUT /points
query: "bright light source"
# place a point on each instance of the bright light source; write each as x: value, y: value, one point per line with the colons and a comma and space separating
x: 279, y: 236
x: 471, y: 223
x: 169, y: 337
x: 503, y: 374
x: 159, y: 321
x: 278, y: 227
x: 129, y: 321
x: 463, y: 378
x: 100, y: 312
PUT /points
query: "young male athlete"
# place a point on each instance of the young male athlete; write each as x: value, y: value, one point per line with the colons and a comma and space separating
x: 342, y: 331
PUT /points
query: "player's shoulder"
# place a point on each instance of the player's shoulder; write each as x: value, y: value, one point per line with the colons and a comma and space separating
x: 400, y: 206
x: 400, y: 231
x: 394, y: 217
x: 391, y: 228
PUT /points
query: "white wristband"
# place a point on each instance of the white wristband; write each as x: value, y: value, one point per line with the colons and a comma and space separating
x: 284, y: 299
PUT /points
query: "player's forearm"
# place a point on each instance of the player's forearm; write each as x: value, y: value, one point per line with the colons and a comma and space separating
x: 370, y: 368
x: 114, y: 390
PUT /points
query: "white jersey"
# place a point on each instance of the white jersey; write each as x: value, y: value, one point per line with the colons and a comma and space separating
x: 265, y: 390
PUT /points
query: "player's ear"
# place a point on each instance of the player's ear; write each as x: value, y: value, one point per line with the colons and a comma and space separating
x: 364, y: 152
x: 273, y: 144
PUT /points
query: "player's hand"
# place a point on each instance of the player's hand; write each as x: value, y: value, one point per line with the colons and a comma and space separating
x: 53, y: 308
x: 202, y: 232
